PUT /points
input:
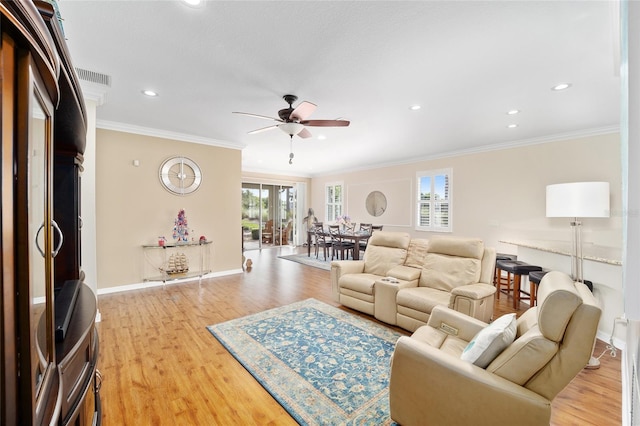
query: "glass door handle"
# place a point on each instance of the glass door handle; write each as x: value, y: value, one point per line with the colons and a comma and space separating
x: 36, y: 241
x: 60, y: 241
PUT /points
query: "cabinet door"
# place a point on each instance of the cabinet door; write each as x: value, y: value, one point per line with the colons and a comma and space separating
x: 40, y: 235
x: 36, y: 243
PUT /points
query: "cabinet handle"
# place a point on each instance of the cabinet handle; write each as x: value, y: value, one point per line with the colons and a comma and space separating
x: 57, y: 249
x: 57, y: 228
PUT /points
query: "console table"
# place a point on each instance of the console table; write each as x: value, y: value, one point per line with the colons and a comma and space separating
x: 176, y: 261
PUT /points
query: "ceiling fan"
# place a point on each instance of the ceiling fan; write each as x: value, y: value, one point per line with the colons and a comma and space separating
x: 292, y: 120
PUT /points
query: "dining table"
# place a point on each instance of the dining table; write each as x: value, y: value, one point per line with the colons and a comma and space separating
x: 355, y: 236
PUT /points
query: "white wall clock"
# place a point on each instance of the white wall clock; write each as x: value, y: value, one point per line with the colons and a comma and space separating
x: 180, y: 175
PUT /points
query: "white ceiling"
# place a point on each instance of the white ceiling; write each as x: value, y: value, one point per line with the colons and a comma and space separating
x: 465, y: 62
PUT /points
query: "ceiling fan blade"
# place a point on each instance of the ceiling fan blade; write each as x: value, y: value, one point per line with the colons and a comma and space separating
x: 302, y: 111
x: 253, y: 132
x: 326, y: 123
x: 264, y: 117
x: 304, y: 133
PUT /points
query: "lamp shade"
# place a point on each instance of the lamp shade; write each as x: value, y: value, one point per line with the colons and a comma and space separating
x: 291, y: 128
x: 578, y: 199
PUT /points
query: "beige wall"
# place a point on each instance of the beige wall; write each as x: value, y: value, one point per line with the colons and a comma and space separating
x: 134, y: 209
x: 500, y: 194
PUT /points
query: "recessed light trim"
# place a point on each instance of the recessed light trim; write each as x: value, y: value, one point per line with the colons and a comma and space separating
x: 415, y: 107
x: 150, y: 93
x: 513, y: 112
x: 193, y: 3
x: 561, y: 86
x: 512, y: 126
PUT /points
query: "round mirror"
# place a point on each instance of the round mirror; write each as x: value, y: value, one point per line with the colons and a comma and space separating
x: 376, y: 203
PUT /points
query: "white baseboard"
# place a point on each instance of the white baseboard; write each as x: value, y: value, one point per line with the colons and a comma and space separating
x: 605, y: 337
x: 151, y: 284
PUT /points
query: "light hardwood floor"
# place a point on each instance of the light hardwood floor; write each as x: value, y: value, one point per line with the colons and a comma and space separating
x: 161, y: 366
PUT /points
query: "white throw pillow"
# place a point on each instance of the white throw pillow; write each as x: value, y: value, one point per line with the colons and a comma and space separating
x: 491, y: 341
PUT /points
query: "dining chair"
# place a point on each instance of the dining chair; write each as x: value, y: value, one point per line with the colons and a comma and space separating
x: 365, y: 227
x: 320, y: 240
x: 339, y: 244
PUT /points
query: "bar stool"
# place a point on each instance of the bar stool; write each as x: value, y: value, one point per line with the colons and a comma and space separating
x: 497, y: 275
x: 534, y: 281
x: 517, y: 268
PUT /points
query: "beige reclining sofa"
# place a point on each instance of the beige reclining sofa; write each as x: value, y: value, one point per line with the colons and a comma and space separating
x: 520, y: 367
x: 400, y: 280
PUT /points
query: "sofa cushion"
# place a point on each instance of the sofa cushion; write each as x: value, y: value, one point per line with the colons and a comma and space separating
x: 384, y: 251
x: 491, y: 341
x: 446, y: 272
x: 422, y: 299
x: 416, y: 252
x: 524, y: 357
x: 460, y: 247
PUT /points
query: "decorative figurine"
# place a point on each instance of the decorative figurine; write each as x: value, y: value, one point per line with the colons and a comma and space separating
x: 180, y: 229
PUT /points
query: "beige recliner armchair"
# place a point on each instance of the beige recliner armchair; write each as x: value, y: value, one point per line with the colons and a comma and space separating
x: 353, y: 281
x: 457, y: 272
x: 431, y: 384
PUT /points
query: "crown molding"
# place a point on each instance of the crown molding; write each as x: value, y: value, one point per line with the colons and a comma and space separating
x: 486, y: 148
x: 94, y: 92
x: 165, y: 134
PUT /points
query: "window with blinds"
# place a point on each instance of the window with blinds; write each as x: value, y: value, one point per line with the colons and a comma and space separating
x: 333, y: 201
x: 434, y: 201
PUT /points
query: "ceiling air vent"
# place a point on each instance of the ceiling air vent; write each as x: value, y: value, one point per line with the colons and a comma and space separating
x: 94, y: 77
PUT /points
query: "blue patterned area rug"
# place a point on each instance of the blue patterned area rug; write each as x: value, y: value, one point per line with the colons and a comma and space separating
x: 323, y: 365
x: 320, y: 262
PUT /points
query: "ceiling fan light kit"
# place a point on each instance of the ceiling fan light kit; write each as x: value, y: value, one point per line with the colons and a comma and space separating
x: 293, y: 121
x: 291, y: 129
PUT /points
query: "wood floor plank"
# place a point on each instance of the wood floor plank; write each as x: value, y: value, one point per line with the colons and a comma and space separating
x: 161, y: 366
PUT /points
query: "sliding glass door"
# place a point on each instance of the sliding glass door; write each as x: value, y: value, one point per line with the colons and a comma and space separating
x: 268, y: 215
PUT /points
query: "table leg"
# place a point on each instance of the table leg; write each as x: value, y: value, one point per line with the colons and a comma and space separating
x: 356, y: 248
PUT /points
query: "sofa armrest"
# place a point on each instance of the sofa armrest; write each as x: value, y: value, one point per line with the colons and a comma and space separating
x: 340, y: 268
x: 428, y: 386
x: 404, y: 273
x: 386, y: 308
x: 473, y: 291
x: 475, y: 300
x: 467, y: 327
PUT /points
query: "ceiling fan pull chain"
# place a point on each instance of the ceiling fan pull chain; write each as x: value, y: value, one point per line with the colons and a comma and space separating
x: 291, y: 150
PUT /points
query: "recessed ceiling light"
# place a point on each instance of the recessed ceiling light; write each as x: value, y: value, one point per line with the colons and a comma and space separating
x: 321, y: 137
x: 415, y: 107
x: 513, y: 112
x: 561, y: 86
x: 195, y: 4
x: 150, y: 93
x: 512, y: 126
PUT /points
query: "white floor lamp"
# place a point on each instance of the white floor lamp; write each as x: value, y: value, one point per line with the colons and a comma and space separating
x: 578, y: 200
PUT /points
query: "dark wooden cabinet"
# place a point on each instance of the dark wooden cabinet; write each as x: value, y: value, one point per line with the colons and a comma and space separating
x: 44, y: 379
